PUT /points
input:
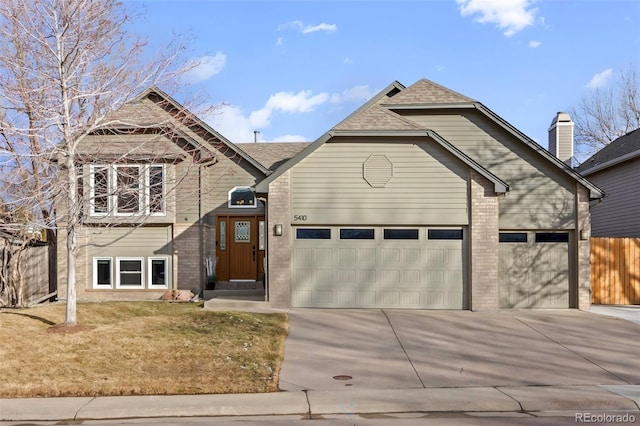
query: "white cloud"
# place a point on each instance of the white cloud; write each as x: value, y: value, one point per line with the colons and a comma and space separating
x: 307, y: 29
x: 534, y: 43
x: 601, y: 79
x: 509, y: 15
x: 355, y: 94
x: 237, y: 126
x: 279, y: 41
x: 320, y: 27
x: 205, y: 67
x: 303, y: 101
x: 347, y: 61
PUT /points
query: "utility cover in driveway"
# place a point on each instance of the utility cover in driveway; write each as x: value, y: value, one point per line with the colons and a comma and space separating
x: 378, y: 267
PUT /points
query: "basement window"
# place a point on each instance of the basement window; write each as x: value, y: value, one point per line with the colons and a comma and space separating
x: 102, y: 272
x: 129, y: 272
x: 158, y: 272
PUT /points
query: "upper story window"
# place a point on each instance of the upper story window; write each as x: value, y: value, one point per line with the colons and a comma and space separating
x: 127, y: 190
x: 242, y: 197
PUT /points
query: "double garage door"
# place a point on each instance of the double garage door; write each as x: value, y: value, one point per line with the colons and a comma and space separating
x: 379, y: 267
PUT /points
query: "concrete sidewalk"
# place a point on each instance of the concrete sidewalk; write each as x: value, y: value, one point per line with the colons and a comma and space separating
x: 316, y: 403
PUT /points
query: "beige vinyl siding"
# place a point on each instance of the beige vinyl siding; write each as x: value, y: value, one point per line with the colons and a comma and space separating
x: 618, y: 215
x: 141, y: 242
x: 540, y: 196
x: 187, y: 192
x: 428, y: 185
x: 222, y: 177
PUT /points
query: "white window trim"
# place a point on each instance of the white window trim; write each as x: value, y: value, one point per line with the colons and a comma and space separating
x: 95, y: 272
x: 241, y: 206
x: 166, y: 272
x: 147, y: 190
x: 118, y: 285
x: 141, y: 190
x: 92, y: 194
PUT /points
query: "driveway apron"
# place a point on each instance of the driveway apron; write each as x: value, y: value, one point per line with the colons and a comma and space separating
x: 400, y: 349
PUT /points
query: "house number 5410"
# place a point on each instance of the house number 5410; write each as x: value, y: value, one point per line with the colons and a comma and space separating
x: 299, y: 217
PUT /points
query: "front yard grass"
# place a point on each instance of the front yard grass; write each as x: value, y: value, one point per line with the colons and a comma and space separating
x: 139, y: 348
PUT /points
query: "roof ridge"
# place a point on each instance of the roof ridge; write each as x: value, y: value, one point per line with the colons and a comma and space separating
x: 425, y: 91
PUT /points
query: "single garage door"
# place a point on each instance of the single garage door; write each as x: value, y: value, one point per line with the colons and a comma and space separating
x: 378, y: 267
x: 534, y: 270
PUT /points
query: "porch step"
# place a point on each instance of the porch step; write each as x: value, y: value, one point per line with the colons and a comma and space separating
x: 251, y: 294
x: 221, y: 304
x: 238, y: 285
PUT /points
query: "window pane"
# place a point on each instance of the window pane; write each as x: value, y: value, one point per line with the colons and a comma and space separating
x: 101, y: 190
x: 513, y: 237
x: 243, y: 232
x: 156, y: 189
x: 400, y: 234
x: 131, y: 279
x: 128, y: 182
x: 313, y: 234
x: 445, y: 234
x: 130, y: 266
x: 103, y: 271
x: 552, y: 237
x: 223, y: 235
x: 243, y: 197
x: 158, y: 268
x: 357, y: 234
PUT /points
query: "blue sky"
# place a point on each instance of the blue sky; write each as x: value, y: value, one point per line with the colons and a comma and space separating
x: 294, y: 69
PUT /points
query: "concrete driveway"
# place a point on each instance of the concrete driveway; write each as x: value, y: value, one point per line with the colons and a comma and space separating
x: 394, y: 349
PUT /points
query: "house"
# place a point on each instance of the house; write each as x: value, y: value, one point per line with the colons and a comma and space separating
x: 616, y: 169
x: 421, y: 199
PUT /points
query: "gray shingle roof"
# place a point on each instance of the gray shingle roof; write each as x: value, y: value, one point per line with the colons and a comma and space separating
x: 377, y: 118
x: 427, y: 92
x: 617, y: 149
x: 272, y: 154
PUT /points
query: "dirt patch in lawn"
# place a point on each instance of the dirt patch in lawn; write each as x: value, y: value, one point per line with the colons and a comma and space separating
x: 138, y: 348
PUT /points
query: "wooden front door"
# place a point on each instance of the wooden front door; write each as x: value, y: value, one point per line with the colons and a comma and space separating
x: 243, y: 248
x: 240, y: 247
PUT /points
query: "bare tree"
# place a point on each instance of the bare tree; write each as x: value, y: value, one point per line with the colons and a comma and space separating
x: 64, y: 64
x: 606, y: 114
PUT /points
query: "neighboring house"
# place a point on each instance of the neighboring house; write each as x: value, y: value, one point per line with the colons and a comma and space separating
x: 616, y: 169
x: 422, y: 198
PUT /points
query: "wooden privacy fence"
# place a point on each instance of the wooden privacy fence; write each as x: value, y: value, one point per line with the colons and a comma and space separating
x: 615, y: 271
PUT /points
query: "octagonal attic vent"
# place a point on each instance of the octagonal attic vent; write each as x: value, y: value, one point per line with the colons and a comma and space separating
x: 377, y: 170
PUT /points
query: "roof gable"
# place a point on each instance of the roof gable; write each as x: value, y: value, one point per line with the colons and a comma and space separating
x: 145, y: 112
x: 622, y: 149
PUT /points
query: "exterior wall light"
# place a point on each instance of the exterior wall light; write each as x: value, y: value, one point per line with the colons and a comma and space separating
x: 277, y: 230
x: 584, y: 234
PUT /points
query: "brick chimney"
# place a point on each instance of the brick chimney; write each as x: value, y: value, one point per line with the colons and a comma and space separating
x: 561, y: 138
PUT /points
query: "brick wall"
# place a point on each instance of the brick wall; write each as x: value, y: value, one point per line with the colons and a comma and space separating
x: 187, y: 256
x: 279, y: 248
x: 484, y: 232
x: 583, y: 222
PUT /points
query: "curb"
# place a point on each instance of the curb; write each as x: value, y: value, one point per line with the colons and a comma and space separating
x: 315, y: 403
